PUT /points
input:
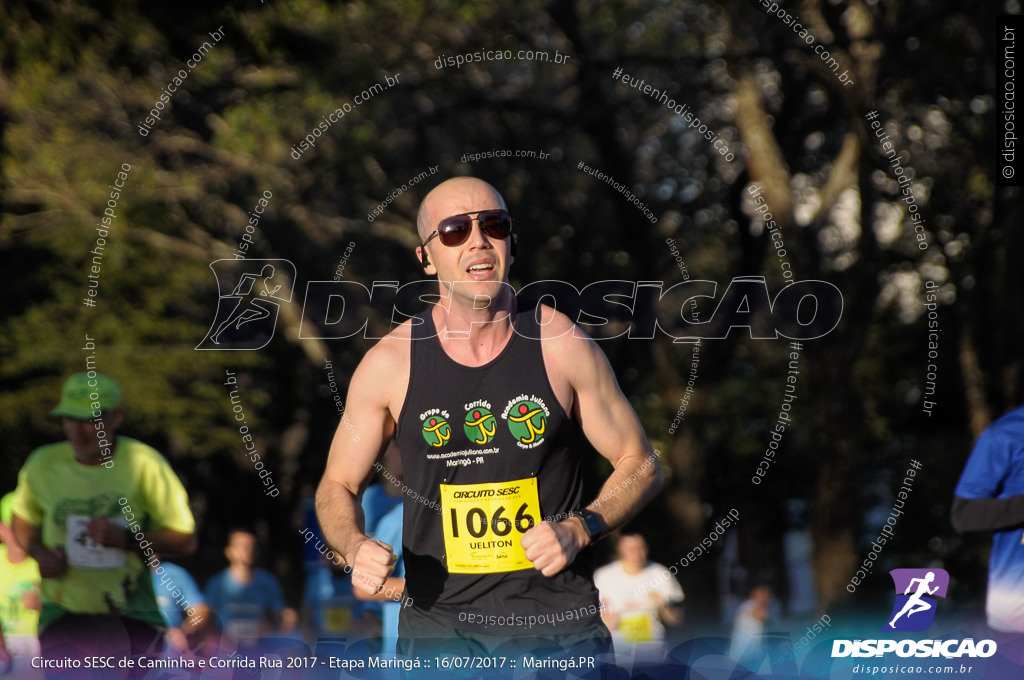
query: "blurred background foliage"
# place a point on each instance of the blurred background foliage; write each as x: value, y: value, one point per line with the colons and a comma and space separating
x: 77, y: 78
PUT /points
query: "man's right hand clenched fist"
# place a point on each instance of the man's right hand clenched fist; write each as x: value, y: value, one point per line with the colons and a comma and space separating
x: 372, y: 563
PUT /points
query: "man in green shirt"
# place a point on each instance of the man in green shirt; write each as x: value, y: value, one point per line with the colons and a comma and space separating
x: 91, y: 511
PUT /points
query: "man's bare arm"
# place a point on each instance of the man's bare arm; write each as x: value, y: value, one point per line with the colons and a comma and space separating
x: 52, y: 561
x: 27, y: 535
x: 613, y: 429
x: 164, y: 541
x: 358, y: 443
x: 170, y: 542
x: 338, y: 496
x: 670, y: 615
x: 392, y: 591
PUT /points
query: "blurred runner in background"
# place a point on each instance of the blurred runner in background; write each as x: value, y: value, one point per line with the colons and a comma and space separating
x: 990, y: 497
x: 91, y: 510
x: 747, y: 646
x: 638, y: 598
x: 185, y: 633
x: 247, y: 600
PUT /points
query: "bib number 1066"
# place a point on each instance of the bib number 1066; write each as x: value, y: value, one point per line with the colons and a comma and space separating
x: 477, y: 522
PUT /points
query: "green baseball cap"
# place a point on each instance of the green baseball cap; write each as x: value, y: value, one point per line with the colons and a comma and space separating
x: 83, y: 391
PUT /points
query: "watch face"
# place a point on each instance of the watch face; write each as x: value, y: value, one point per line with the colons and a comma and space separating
x: 591, y: 524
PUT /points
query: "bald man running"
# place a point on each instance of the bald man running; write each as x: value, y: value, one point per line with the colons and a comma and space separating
x: 489, y: 404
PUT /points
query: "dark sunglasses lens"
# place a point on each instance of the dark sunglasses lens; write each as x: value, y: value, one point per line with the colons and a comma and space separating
x: 496, y: 224
x: 454, y: 230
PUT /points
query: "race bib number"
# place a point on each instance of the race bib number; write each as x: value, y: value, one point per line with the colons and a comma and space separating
x: 484, y: 522
x: 636, y: 628
x: 86, y: 553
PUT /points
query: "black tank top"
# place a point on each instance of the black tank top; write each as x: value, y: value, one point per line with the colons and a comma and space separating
x: 487, y: 435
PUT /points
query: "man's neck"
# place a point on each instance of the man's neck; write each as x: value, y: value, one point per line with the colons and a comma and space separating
x: 96, y: 458
x: 632, y: 569
x: 241, y: 573
x: 92, y: 459
x: 474, y: 336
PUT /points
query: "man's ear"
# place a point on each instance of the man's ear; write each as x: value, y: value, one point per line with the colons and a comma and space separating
x: 512, y: 249
x: 425, y: 261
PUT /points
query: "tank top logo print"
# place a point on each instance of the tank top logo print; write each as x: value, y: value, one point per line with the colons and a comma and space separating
x: 436, y: 430
x: 527, y: 418
x: 480, y: 425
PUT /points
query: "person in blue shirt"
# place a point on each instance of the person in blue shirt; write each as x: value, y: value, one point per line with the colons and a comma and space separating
x: 990, y: 497
x: 379, y: 500
x: 329, y: 607
x: 389, y: 531
x: 247, y: 599
x: 183, y: 631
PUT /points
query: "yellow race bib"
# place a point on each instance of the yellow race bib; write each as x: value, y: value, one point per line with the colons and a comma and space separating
x: 337, y: 618
x: 484, y: 522
x: 636, y: 628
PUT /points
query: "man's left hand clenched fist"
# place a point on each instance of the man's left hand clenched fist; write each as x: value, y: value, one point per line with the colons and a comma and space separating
x: 552, y: 546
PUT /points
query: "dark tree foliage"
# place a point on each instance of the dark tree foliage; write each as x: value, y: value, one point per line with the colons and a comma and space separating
x: 77, y: 80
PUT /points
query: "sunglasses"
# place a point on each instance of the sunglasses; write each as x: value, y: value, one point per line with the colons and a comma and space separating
x: 453, y: 231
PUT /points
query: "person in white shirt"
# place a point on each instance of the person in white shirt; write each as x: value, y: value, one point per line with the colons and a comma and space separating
x: 637, y: 600
x: 747, y: 646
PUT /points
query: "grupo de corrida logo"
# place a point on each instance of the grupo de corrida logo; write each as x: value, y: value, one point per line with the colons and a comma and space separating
x: 480, y: 425
x: 436, y: 430
x: 527, y: 422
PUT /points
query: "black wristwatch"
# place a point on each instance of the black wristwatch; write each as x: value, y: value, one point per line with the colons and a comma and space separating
x: 591, y: 524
